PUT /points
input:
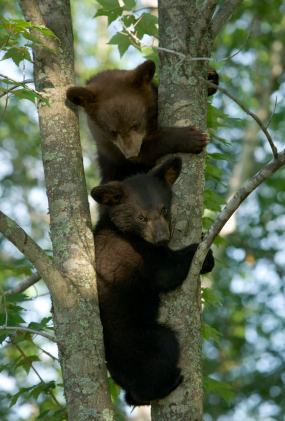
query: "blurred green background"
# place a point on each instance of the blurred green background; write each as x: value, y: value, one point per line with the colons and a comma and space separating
x: 251, y: 355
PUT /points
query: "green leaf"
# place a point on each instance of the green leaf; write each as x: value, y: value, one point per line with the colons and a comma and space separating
x: 16, y: 298
x: 15, y: 54
x: 210, y: 332
x: 115, y: 390
x: 129, y: 4
x: 41, y: 388
x: 45, y: 31
x: 30, y: 95
x: 122, y: 41
x: 222, y: 388
x: 210, y: 299
x: 42, y: 325
x: 109, y: 4
x: 30, y: 37
x: 13, y: 319
x: 147, y: 25
x: 43, y: 414
x: 3, y: 367
x: 23, y: 363
x: 213, y: 200
x: 17, y: 395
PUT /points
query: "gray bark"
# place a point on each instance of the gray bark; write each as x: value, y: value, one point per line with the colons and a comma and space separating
x: 77, y: 325
x: 184, y: 27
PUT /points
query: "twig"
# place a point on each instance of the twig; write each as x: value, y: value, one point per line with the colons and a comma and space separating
x: 222, y: 15
x: 5, y: 306
x: 237, y: 101
x: 204, y: 17
x: 40, y: 260
x: 16, y: 86
x: 272, y: 113
x: 30, y: 340
x: 33, y: 368
x: 266, y: 172
x: 22, y: 286
x: 5, y: 108
x: 34, y: 332
x: 44, y: 95
x: 144, y: 44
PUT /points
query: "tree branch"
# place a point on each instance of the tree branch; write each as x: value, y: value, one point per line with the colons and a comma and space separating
x: 16, y: 86
x: 33, y: 368
x: 34, y: 332
x: 237, y: 101
x: 41, y: 261
x: 222, y: 15
x: 204, y: 17
x: 22, y: 286
x: 31, y: 11
x: 266, y: 172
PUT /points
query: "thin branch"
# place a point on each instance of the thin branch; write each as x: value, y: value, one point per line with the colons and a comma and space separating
x: 144, y: 44
x: 33, y: 368
x: 222, y: 16
x: 5, y: 108
x: 43, y: 94
x: 34, y: 332
x: 22, y: 286
x: 204, y: 17
x: 266, y: 172
x: 5, y: 306
x: 59, y: 288
x: 237, y: 101
x: 16, y: 86
x: 272, y: 113
x: 30, y: 340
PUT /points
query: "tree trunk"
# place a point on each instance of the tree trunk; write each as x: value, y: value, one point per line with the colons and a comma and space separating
x: 75, y: 309
x: 182, y: 102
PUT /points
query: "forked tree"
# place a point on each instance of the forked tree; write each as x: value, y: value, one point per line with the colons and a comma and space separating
x: 187, y: 30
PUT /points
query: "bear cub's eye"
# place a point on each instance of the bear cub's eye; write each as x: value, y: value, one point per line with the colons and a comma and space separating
x: 164, y: 211
x: 113, y: 133
x: 136, y: 126
x: 142, y: 219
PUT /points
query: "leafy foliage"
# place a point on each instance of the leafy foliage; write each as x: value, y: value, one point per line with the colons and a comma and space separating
x: 16, y: 40
x: 222, y: 388
x: 145, y: 24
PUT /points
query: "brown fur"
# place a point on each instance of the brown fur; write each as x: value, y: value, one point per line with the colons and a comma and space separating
x: 121, y: 106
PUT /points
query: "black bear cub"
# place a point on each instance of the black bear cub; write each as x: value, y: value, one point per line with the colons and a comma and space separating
x: 121, y: 106
x: 134, y: 266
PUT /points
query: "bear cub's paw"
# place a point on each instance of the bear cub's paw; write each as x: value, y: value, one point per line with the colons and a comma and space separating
x: 213, y: 77
x: 209, y: 263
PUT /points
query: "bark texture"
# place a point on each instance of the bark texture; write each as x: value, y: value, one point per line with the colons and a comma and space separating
x: 182, y: 102
x: 77, y: 325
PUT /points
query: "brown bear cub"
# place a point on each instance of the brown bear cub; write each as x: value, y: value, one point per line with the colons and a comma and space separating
x: 134, y: 266
x: 121, y: 106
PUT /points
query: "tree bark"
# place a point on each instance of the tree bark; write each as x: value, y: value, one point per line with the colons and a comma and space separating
x: 182, y: 102
x: 77, y: 325
x: 184, y: 27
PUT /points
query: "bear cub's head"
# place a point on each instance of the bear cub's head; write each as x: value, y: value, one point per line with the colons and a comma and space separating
x: 140, y: 205
x: 118, y: 102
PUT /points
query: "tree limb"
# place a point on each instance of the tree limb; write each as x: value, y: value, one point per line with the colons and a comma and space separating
x: 222, y: 15
x: 20, y: 83
x: 34, y: 332
x: 237, y: 101
x: 204, y: 17
x: 22, y: 286
x: 266, y: 172
x: 41, y: 261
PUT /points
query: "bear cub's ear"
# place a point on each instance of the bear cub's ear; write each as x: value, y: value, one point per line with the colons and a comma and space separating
x: 142, y: 74
x: 169, y: 171
x: 80, y: 96
x: 109, y: 194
